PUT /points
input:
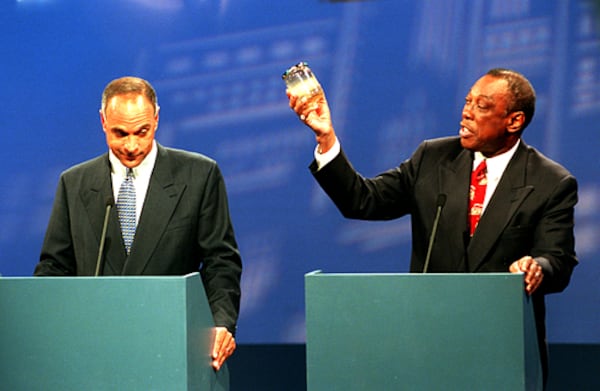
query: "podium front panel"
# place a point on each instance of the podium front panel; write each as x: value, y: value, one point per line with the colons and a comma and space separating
x: 420, y: 332
x: 105, y: 333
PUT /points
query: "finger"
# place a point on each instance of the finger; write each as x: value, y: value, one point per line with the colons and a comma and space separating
x: 302, y: 111
x: 524, y: 263
x: 223, y: 341
x: 307, y: 115
x: 306, y: 109
x: 228, y: 347
x: 218, y: 343
x: 517, y: 266
x: 532, y: 287
x: 218, y: 363
x: 303, y: 104
x: 533, y: 271
x: 217, y: 357
x: 227, y: 352
x: 296, y: 102
x: 535, y: 279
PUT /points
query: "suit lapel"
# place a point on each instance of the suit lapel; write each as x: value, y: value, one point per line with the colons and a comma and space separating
x: 508, y: 197
x: 96, y: 192
x: 454, y: 177
x: 161, y: 200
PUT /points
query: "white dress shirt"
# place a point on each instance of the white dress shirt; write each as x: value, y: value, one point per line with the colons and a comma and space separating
x: 495, y: 168
x: 141, y: 177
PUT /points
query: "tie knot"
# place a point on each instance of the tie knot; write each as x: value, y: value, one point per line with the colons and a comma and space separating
x: 481, y: 169
x: 129, y: 173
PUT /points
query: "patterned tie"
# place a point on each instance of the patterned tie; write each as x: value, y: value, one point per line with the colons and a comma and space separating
x: 477, y: 194
x: 126, y: 209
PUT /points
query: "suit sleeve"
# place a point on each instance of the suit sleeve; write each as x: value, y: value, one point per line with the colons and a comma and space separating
x: 221, y: 262
x: 554, y: 242
x: 384, y: 197
x: 57, y: 256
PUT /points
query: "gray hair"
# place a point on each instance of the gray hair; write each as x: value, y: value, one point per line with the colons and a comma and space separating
x: 129, y: 85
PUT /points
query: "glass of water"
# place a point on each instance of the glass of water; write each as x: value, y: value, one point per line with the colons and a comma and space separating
x: 301, y: 82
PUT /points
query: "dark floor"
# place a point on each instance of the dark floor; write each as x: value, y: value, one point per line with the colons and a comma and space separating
x: 283, y: 368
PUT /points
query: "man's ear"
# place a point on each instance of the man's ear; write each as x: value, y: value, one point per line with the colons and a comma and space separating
x: 102, y: 120
x: 515, y: 121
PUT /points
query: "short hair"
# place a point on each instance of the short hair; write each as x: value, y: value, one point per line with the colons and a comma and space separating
x: 129, y: 85
x: 523, y: 94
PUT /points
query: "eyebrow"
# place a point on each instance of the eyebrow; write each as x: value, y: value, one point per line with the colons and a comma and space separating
x: 122, y: 129
x: 479, y: 96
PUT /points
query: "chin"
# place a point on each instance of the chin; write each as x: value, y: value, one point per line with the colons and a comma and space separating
x: 129, y: 163
x: 466, y: 144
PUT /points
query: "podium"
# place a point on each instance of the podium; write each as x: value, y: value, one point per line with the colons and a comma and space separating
x: 106, y: 333
x: 420, y: 332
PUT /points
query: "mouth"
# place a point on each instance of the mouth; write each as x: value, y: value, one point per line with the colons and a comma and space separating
x: 464, y: 131
x: 128, y: 159
x: 130, y: 155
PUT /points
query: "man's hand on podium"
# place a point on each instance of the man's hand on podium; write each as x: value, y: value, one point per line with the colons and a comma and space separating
x: 223, y: 347
x: 534, y: 273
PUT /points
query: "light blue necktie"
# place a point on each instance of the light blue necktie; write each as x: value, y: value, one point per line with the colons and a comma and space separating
x: 126, y: 209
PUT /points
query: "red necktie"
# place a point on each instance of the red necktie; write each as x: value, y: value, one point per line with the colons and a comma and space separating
x: 477, y: 194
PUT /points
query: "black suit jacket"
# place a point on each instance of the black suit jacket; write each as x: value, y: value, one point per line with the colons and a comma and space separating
x: 530, y: 213
x: 184, y: 227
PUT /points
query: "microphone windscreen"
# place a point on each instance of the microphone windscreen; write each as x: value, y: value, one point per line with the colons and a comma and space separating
x: 441, y: 200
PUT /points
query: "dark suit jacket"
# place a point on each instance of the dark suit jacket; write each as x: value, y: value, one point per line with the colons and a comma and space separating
x: 530, y: 213
x: 184, y: 227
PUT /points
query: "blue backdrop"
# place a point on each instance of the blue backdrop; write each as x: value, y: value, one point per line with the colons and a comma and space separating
x: 395, y: 71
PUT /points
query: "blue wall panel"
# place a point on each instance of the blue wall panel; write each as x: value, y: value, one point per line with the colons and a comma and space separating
x: 395, y: 72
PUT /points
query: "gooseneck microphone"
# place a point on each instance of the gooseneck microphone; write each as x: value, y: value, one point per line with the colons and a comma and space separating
x: 441, y: 200
x: 99, y: 263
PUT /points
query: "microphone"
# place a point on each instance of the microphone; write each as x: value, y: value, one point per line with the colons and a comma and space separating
x: 441, y: 200
x: 466, y: 239
x: 99, y: 263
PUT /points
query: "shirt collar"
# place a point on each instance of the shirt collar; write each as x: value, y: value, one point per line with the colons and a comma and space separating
x: 145, y: 167
x: 497, y: 164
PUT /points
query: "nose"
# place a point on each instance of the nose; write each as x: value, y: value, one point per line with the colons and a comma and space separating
x: 130, y: 144
x: 467, y: 113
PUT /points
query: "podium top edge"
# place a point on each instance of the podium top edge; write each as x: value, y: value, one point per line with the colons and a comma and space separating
x: 319, y: 273
x: 147, y: 277
x: 314, y: 273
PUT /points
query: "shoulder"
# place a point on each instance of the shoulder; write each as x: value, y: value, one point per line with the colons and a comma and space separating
x: 184, y: 157
x: 443, y: 143
x: 97, y: 164
x: 543, y: 165
x: 440, y: 149
x: 186, y: 165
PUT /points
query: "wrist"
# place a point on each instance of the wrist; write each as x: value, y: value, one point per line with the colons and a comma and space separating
x: 326, y: 142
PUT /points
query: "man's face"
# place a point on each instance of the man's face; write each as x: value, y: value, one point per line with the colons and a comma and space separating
x: 129, y: 122
x: 486, y: 125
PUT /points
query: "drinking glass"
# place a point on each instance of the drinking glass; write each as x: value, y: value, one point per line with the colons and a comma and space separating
x: 301, y: 82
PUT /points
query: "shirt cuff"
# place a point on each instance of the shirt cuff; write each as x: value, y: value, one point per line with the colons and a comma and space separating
x: 323, y: 159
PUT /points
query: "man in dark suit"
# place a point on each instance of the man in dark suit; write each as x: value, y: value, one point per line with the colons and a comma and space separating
x: 526, y: 212
x: 180, y: 213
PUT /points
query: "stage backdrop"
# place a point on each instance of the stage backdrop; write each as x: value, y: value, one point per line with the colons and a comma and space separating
x: 396, y: 72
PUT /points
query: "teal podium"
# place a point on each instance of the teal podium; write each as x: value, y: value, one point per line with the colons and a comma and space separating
x: 420, y: 332
x: 106, y: 333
